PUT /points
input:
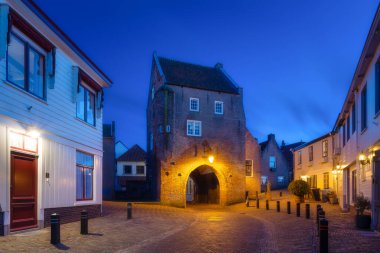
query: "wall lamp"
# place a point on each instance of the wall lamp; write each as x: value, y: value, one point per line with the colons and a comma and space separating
x: 363, y: 159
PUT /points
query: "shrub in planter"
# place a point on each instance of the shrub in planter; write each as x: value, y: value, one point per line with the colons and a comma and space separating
x: 363, y: 221
x: 299, y: 188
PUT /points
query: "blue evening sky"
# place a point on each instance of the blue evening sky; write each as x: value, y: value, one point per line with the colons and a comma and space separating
x: 295, y: 59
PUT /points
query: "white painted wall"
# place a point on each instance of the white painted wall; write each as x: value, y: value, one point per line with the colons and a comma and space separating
x: 120, y: 168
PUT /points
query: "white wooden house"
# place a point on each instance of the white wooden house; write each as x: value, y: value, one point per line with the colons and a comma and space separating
x: 51, y: 98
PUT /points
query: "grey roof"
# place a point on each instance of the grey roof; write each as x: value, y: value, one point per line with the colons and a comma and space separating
x: 134, y: 154
x: 196, y: 76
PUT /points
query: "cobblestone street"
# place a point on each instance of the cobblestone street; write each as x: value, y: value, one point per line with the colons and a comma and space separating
x: 236, y: 228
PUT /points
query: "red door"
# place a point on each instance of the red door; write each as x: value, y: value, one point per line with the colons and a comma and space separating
x: 23, y: 191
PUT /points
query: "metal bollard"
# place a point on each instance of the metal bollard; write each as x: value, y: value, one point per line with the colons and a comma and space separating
x: 321, y: 216
x: 317, y: 214
x: 324, y: 236
x: 247, y: 202
x: 298, y: 209
x: 278, y: 206
x: 267, y: 204
x: 288, y: 207
x: 257, y: 203
x: 83, y: 222
x: 129, y: 211
x: 280, y: 194
x: 55, y: 234
x: 307, y: 211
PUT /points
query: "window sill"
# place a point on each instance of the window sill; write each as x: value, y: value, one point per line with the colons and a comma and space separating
x: 84, y: 122
x: 83, y: 202
x: 41, y: 100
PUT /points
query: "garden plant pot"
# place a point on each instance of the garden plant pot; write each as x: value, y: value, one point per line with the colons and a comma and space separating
x: 363, y: 221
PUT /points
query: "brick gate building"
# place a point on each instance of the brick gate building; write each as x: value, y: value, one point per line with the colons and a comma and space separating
x: 196, y: 134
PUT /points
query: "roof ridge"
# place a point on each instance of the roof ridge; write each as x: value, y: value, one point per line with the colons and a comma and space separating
x: 189, y: 63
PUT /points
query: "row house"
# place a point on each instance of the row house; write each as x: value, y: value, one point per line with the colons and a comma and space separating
x: 51, y: 97
x: 313, y: 162
x: 357, y: 130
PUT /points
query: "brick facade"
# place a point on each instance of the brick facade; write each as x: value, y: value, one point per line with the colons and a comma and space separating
x: 252, y: 152
x: 71, y: 213
x: 173, y: 155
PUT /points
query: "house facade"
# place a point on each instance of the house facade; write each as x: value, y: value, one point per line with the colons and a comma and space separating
x: 109, y: 161
x: 196, y: 134
x: 313, y: 162
x: 50, y: 121
x: 131, y: 175
x: 357, y: 131
x: 274, y: 165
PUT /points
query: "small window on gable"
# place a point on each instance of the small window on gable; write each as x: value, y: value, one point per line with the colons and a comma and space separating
x: 219, y: 107
x: 194, y: 104
x: 325, y: 148
x: 127, y: 169
x: 272, y: 163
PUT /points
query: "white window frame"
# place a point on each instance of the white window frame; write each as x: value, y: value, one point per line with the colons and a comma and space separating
x: 190, y: 108
x: 222, y: 107
x: 274, y: 162
x: 193, y: 122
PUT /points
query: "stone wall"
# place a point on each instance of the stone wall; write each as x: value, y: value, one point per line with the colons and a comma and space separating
x: 252, y: 152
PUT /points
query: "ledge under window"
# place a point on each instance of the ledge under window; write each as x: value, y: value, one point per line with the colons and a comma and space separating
x: 10, y: 84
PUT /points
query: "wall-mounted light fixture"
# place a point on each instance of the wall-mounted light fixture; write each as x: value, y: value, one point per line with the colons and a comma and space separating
x: 211, y: 158
x: 363, y: 159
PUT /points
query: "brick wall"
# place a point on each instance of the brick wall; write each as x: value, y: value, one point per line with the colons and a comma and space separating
x: 252, y: 152
x: 71, y: 213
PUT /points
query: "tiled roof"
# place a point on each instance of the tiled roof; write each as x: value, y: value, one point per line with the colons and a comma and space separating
x: 134, y: 154
x: 196, y: 76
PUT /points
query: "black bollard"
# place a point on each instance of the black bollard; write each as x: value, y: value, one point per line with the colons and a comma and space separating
x: 319, y: 208
x: 288, y: 207
x: 247, y: 202
x: 267, y: 204
x: 83, y: 222
x: 280, y: 194
x: 307, y: 211
x: 298, y: 209
x: 321, y: 215
x: 324, y: 236
x: 129, y: 211
x: 257, y: 203
x: 278, y: 206
x: 55, y: 235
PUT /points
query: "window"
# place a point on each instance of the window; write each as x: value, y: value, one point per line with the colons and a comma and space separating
x: 248, y: 168
x: 86, y: 105
x: 194, y: 104
x: 194, y: 128
x: 26, y: 66
x: 219, y: 107
x: 128, y: 169
x: 152, y: 95
x: 348, y: 128
x: 299, y: 157
x: 280, y: 180
x: 364, y: 108
x: 310, y: 153
x: 325, y: 148
x: 272, y: 163
x: 140, y: 170
x: 326, y: 180
x: 85, y: 171
x: 353, y: 118
x: 377, y: 88
x: 264, y: 180
x: 313, y: 181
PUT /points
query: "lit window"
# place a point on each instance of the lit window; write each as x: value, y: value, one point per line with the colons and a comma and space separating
x: 194, y: 104
x: 86, y: 105
x: 248, y: 168
x: 280, y: 179
x: 326, y: 180
x: 311, y: 154
x: 264, y: 180
x: 85, y: 174
x: 26, y: 66
x: 218, y: 107
x: 272, y: 162
x: 127, y: 169
x: 194, y: 128
x: 325, y: 148
x: 300, y: 157
x: 140, y: 170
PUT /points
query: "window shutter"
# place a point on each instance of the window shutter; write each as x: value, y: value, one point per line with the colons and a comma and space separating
x: 75, y: 83
x: 4, y: 11
x: 50, y: 68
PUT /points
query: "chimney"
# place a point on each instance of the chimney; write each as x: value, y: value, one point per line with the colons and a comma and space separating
x: 219, y: 65
x: 271, y: 137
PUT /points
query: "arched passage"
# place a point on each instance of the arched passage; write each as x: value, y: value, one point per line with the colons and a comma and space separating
x: 203, y: 186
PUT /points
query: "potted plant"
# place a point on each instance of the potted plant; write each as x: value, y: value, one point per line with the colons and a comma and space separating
x: 363, y: 221
x: 299, y: 189
x: 333, y: 199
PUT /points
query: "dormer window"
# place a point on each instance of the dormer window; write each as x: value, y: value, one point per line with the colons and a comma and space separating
x: 219, y: 107
x: 194, y: 104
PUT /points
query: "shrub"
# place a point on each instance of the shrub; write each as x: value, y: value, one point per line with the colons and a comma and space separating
x: 299, y: 188
x: 362, y: 203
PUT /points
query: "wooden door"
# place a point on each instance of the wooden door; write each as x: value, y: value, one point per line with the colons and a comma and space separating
x: 23, y: 191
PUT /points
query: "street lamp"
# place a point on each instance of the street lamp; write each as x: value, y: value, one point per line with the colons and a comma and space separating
x: 211, y: 158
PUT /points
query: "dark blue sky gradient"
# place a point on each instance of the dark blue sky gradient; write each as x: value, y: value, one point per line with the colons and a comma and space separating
x: 295, y: 59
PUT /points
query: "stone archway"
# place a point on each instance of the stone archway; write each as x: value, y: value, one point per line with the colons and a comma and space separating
x: 203, y: 186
